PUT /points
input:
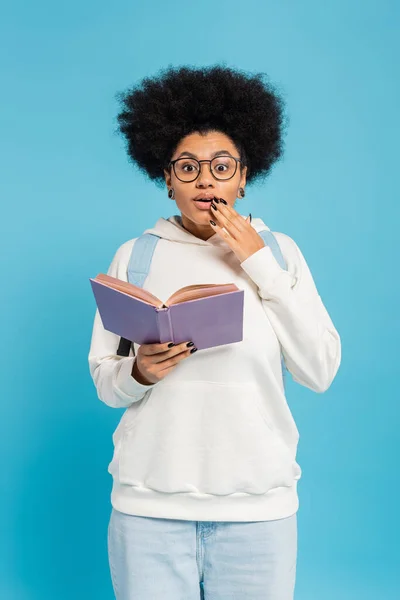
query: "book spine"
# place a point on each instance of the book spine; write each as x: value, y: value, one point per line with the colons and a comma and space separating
x: 164, y: 325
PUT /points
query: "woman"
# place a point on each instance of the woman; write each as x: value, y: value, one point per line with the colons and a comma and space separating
x: 204, y: 497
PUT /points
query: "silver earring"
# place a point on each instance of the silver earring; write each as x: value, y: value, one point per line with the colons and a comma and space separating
x: 171, y: 193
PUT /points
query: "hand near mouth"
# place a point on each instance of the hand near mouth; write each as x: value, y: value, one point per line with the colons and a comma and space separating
x: 235, y: 230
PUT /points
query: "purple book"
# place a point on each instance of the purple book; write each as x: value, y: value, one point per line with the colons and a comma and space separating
x: 211, y: 321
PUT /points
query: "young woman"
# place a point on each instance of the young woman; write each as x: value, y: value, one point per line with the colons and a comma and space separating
x: 204, y: 496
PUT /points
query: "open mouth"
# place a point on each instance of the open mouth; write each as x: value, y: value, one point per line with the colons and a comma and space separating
x: 203, y: 203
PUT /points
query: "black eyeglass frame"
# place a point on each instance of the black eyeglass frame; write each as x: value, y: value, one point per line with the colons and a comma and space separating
x: 172, y: 163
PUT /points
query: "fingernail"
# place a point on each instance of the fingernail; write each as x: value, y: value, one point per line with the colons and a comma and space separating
x: 171, y: 344
x: 223, y: 201
x: 216, y: 199
x: 189, y: 344
x: 250, y: 217
x: 212, y: 223
x: 213, y: 206
x: 193, y: 350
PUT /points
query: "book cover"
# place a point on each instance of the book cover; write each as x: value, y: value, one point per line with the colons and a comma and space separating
x: 208, y: 322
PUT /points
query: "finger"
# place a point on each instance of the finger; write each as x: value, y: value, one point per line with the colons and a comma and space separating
x: 149, y: 349
x: 234, y: 244
x: 174, y: 360
x: 171, y: 352
x: 230, y: 219
x: 232, y: 214
x: 224, y: 220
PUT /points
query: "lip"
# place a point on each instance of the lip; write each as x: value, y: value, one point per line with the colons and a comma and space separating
x: 204, y: 196
x: 203, y: 205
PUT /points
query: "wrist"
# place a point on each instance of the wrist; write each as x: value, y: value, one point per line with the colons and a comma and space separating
x: 136, y: 374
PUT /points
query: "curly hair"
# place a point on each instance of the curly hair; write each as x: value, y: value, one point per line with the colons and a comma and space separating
x: 159, y: 111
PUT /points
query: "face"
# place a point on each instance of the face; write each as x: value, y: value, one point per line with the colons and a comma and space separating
x: 196, y: 216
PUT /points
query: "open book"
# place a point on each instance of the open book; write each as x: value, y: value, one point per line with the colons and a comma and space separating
x: 208, y: 314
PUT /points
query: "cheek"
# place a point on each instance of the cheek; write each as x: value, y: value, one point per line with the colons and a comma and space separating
x: 183, y: 202
x: 229, y: 193
x: 186, y: 207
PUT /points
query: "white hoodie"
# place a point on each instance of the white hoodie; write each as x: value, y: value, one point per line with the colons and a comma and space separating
x: 215, y: 439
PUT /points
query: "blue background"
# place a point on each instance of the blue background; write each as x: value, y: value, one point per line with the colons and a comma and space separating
x: 70, y: 197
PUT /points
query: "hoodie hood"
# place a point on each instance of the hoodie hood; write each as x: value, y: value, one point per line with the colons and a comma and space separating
x: 172, y: 229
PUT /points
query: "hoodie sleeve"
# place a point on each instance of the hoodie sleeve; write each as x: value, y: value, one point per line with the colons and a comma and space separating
x: 111, y: 373
x: 310, y: 344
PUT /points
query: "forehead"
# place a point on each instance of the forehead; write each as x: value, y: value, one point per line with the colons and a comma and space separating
x: 205, y: 145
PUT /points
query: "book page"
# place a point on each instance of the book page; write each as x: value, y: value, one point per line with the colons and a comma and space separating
x: 195, y: 292
x: 189, y: 292
x: 129, y: 288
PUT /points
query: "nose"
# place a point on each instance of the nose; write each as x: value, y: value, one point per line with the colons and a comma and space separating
x: 205, y: 177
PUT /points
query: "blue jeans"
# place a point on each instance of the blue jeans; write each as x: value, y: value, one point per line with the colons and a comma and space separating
x: 170, y: 559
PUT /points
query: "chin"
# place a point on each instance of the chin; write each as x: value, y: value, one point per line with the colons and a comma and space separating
x: 201, y: 217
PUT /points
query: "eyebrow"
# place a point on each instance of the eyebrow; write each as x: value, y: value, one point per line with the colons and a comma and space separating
x: 212, y: 155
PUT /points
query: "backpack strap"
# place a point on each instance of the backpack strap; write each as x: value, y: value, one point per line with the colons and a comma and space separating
x: 138, y: 269
x: 141, y: 256
x: 270, y: 240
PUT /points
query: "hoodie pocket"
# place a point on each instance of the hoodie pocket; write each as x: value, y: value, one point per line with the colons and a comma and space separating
x: 204, y: 437
x: 129, y: 417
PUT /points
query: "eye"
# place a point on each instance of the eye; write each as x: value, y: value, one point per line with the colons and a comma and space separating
x: 223, y: 164
x: 187, y: 166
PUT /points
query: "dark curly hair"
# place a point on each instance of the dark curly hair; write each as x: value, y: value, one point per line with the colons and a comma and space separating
x: 158, y: 112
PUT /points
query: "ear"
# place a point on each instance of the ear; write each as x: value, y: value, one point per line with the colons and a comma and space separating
x: 167, y: 176
x: 243, y: 177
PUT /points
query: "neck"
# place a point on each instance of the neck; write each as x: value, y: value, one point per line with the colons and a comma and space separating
x: 203, y: 232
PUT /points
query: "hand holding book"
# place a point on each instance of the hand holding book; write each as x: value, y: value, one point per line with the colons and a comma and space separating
x: 154, y: 361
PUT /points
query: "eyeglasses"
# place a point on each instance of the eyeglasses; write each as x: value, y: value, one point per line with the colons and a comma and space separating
x: 221, y: 167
